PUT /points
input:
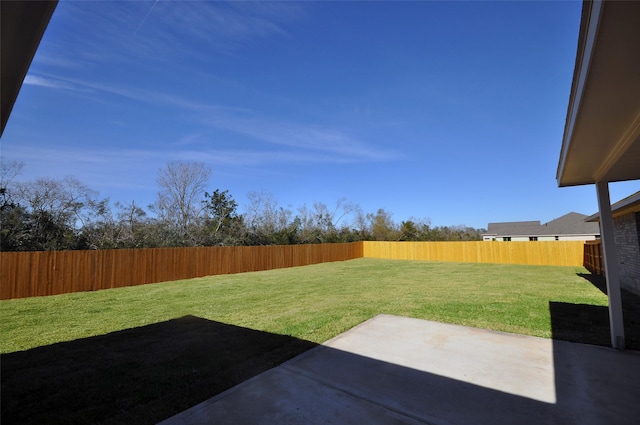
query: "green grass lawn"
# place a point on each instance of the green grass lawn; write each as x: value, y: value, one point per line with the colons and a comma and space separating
x: 313, y: 303
x: 141, y: 354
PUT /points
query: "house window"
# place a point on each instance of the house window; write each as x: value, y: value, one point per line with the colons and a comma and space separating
x: 507, y: 238
x: 533, y: 238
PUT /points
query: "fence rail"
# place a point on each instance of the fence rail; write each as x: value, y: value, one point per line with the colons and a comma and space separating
x: 30, y: 274
x: 593, y: 257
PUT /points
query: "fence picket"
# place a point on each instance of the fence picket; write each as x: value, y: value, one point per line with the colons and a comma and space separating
x: 28, y: 274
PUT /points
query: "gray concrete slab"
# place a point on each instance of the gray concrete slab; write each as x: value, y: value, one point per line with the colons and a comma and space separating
x: 397, y: 370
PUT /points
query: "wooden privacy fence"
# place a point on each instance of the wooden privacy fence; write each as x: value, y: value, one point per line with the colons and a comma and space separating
x: 551, y: 253
x: 593, y: 257
x: 30, y: 274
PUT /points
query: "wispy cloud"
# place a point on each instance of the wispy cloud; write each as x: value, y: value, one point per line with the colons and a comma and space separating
x: 34, y: 80
x: 131, y: 31
x: 131, y: 173
x: 151, y: 97
x: 101, y: 169
x: 94, y: 157
x: 145, y: 17
x: 304, y: 142
x: 135, y: 31
x: 257, y: 158
x: 310, y: 140
x: 108, y: 167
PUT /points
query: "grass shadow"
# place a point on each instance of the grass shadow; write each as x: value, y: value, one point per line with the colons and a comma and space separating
x: 589, y: 324
x: 598, y: 281
x: 136, y: 376
x: 583, y: 323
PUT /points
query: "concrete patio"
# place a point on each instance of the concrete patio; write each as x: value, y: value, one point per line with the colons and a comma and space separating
x: 397, y: 370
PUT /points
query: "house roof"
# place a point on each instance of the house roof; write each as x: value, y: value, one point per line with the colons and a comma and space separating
x: 513, y: 228
x: 628, y: 205
x: 601, y: 139
x: 21, y: 28
x: 569, y: 224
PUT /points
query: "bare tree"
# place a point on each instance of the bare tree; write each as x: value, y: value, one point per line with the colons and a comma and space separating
x: 329, y: 220
x: 262, y: 212
x: 130, y: 219
x: 68, y: 201
x: 266, y: 221
x: 182, y: 187
x: 9, y: 170
x: 53, y: 214
x: 360, y: 223
x: 306, y: 224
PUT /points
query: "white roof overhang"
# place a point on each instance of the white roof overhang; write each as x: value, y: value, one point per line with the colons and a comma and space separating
x: 602, y: 131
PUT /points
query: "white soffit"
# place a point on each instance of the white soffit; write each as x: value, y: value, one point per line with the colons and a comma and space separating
x: 602, y: 131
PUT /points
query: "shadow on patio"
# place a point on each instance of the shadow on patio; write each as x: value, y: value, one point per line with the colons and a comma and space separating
x: 398, y: 370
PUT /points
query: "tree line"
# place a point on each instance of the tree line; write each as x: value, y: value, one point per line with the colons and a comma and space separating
x: 65, y: 214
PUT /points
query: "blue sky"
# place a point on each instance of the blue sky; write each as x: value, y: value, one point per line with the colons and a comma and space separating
x: 451, y: 111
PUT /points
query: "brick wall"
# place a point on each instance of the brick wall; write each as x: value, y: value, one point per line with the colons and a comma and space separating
x: 627, y: 234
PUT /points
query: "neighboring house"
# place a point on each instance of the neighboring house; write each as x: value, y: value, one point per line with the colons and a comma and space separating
x: 569, y: 227
x: 626, y: 226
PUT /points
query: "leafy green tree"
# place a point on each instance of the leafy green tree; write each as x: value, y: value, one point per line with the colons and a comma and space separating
x: 12, y: 215
x: 13, y: 231
x: 408, y: 231
x: 223, y: 225
x: 382, y: 226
